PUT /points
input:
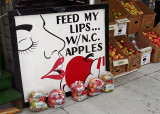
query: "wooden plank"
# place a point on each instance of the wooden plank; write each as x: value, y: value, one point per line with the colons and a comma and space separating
x: 10, y: 111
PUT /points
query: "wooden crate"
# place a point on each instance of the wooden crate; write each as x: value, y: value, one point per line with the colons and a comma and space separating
x: 148, y: 17
x: 115, y: 70
x: 134, y: 25
x: 134, y: 61
x: 155, y: 55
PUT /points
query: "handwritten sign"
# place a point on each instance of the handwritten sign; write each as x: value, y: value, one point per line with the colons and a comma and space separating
x: 123, y: 20
x: 112, y: 27
x: 120, y: 62
x: 57, y: 46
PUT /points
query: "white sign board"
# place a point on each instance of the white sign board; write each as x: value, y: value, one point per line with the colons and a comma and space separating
x: 57, y: 49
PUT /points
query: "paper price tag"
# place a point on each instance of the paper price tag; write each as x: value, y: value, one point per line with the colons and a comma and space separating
x: 120, y: 62
x: 109, y: 87
x: 40, y: 105
x: 146, y: 50
x: 59, y: 101
x: 82, y: 97
x: 112, y: 27
x: 123, y: 20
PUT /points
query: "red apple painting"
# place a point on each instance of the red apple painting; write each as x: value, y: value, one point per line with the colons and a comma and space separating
x: 78, y: 69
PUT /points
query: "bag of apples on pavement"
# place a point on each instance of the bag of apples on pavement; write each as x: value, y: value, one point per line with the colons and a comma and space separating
x: 56, y: 98
x: 37, y: 101
x: 95, y: 86
x: 78, y: 91
x: 108, y: 78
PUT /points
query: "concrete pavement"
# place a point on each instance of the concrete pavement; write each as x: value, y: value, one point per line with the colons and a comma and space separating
x: 135, y: 93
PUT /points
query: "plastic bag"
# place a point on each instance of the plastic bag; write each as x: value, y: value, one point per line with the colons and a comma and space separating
x: 95, y: 86
x: 37, y: 101
x: 56, y: 98
x: 78, y: 91
x: 108, y: 78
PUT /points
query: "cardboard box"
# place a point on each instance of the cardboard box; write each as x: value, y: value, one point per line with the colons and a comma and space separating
x: 146, y: 55
x: 155, y: 55
x: 134, y: 61
x: 148, y: 17
x: 112, y: 25
x: 120, y: 21
x: 135, y: 20
x: 118, y: 66
x: 145, y: 51
x: 113, y: 4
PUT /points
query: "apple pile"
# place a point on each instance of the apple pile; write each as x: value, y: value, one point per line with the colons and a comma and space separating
x: 113, y: 55
x: 115, y: 13
x: 78, y: 91
x: 95, y: 86
x: 129, y: 6
x: 126, y: 51
x: 108, y: 78
x: 153, y: 37
x: 37, y: 101
x: 56, y: 98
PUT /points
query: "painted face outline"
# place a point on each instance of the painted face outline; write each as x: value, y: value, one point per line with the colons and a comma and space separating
x: 27, y: 28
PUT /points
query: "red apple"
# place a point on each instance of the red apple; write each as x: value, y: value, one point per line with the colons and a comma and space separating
x: 53, y: 101
x: 110, y: 47
x: 94, y: 86
x: 155, y: 41
x: 78, y: 68
x: 124, y: 45
x: 92, y: 90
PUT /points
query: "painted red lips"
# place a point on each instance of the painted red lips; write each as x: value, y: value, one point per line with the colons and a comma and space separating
x: 60, y: 71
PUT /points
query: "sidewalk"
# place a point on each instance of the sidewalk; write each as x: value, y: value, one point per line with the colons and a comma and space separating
x: 135, y: 93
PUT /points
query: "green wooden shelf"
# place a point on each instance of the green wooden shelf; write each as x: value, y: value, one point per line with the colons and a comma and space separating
x: 8, y: 95
x: 5, y: 80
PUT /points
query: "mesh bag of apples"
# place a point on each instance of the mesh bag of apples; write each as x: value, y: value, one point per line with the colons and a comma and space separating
x: 56, y: 98
x: 78, y: 91
x: 95, y: 86
x: 108, y: 78
x: 37, y: 101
